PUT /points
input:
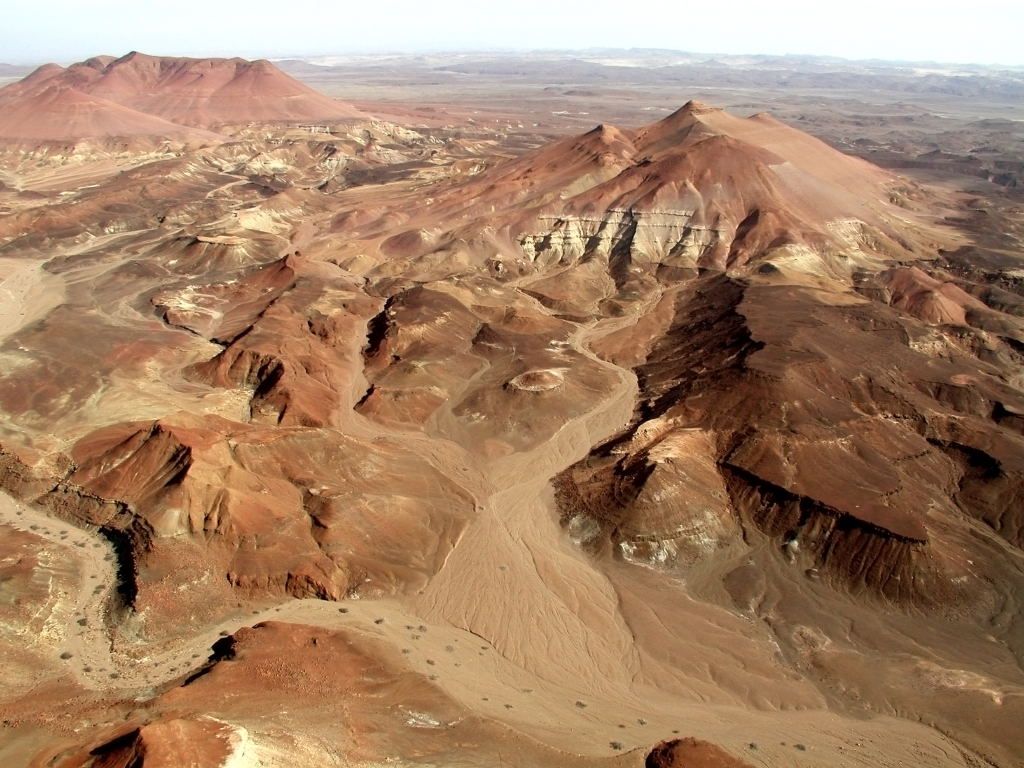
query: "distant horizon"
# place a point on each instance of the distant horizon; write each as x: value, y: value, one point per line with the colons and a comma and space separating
x: 568, y: 52
x: 910, y: 31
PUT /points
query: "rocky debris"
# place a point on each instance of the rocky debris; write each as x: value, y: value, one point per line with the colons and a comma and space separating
x: 691, y: 753
x: 537, y: 380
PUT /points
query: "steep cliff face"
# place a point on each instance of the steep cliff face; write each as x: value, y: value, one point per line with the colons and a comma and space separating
x: 656, y: 492
x: 50, y: 486
x: 196, y: 508
x: 851, y: 552
x: 659, y: 498
x: 668, y: 238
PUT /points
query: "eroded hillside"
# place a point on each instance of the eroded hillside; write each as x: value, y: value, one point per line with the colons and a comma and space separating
x: 367, y: 443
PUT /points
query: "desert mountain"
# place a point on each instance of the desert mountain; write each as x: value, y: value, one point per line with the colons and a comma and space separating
x: 138, y: 95
x: 754, y: 245
x: 401, y: 444
x: 57, y: 112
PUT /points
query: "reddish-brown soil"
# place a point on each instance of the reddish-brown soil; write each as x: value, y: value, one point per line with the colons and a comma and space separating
x: 329, y: 440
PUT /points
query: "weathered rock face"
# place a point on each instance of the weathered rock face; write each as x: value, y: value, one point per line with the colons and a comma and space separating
x: 856, y: 554
x: 691, y: 753
x: 669, y: 238
x: 236, y: 525
x: 295, y: 347
x: 170, y: 743
x: 843, y: 461
x: 701, y: 190
x: 662, y: 503
x: 267, y: 512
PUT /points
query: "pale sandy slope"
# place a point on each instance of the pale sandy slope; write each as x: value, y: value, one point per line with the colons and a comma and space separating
x: 27, y: 293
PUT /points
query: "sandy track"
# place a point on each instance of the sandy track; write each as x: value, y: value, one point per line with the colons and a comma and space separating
x: 518, y: 624
x: 534, y: 596
x: 85, y: 633
x: 536, y: 691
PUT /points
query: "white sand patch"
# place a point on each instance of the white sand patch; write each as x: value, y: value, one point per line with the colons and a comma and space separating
x: 959, y: 679
x: 243, y: 749
x: 416, y: 719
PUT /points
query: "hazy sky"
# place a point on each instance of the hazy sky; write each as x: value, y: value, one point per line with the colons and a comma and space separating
x: 983, y: 31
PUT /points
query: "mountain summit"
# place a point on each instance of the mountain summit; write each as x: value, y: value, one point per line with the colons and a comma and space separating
x: 138, y: 94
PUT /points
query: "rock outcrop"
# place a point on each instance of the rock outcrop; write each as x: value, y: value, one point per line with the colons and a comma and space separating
x: 691, y: 753
x: 843, y: 462
x: 170, y: 743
